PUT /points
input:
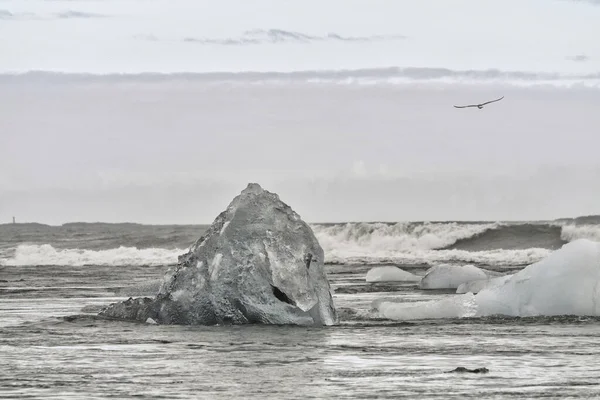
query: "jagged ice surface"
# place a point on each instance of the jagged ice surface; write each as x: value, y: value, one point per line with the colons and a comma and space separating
x: 257, y: 263
x: 567, y: 282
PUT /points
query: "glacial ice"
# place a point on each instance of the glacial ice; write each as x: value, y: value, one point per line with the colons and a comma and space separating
x: 257, y: 263
x: 450, y: 276
x: 449, y: 307
x: 567, y: 282
x: 479, y: 285
x: 389, y: 273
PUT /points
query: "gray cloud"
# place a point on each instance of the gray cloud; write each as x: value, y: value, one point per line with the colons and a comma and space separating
x: 69, y: 14
x: 366, y: 75
x: 262, y: 36
x: 7, y: 15
x: 78, y: 14
x: 593, y: 2
x: 147, y: 37
x: 579, y: 58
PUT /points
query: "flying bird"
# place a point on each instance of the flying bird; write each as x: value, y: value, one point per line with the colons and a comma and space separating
x: 480, y: 106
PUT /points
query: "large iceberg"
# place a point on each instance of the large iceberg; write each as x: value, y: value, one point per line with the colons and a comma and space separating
x: 257, y: 263
x: 567, y: 282
x: 450, y: 276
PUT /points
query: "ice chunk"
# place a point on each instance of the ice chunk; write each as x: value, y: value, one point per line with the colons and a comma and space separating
x: 257, y: 263
x: 478, y: 286
x: 565, y: 282
x: 449, y: 307
x: 450, y: 276
x: 390, y: 273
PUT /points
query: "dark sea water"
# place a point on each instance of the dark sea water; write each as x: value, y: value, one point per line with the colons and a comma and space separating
x: 54, y: 280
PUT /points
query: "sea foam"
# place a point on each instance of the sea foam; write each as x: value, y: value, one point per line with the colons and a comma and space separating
x: 46, y: 254
x: 356, y: 239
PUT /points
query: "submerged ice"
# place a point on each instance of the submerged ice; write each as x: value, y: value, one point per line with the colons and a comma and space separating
x: 478, y: 285
x: 389, y: 273
x: 450, y: 276
x: 257, y: 263
x: 567, y: 282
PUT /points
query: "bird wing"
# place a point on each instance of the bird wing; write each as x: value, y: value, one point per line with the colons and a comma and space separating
x: 470, y: 105
x: 492, y: 101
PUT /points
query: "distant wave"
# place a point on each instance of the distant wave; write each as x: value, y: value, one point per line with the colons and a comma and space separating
x: 262, y: 36
x: 372, y: 243
x: 573, y: 232
x: 497, y: 244
x: 47, y: 255
x: 485, y: 243
x: 370, y: 238
x: 514, y: 237
x: 390, y: 75
x: 496, y: 258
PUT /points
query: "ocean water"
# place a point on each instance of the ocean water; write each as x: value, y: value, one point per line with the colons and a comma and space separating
x: 54, y: 280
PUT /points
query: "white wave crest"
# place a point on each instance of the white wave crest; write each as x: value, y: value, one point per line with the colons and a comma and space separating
x: 410, y: 243
x: 47, y: 255
x: 570, y: 233
x: 506, y: 258
x: 389, y: 240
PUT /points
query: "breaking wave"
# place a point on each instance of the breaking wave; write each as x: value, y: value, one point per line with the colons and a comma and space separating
x: 45, y: 254
x: 574, y: 232
x: 389, y: 239
x: 507, y: 244
x: 494, y: 244
x: 497, y: 258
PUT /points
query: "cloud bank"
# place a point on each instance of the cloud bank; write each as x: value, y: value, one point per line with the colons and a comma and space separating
x: 387, y: 76
x: 27, y: 16
x: 275, y: 36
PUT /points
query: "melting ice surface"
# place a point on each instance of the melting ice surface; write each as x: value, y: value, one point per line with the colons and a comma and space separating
x: 567, y: 282
x: 389, y: 273
x: 257, y: 263
x: 450, y: 276
x: 478, y: 285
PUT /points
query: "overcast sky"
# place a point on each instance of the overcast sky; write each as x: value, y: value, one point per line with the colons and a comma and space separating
x: 166, y: 35
x: 177, y: 151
